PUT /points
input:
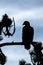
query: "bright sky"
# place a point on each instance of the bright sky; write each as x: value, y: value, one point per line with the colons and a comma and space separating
x: 21, y: 10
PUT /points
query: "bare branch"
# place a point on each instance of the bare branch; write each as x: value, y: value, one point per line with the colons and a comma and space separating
x: 11, y: 43
x: 14, y: 43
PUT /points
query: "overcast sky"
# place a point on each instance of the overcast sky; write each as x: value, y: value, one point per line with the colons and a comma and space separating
x: 21, y: 10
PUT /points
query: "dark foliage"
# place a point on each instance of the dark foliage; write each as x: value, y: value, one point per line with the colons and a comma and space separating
x: 36, y: 54
x: 23, y: 62
x: 6, y: 22
x: 2, y: 58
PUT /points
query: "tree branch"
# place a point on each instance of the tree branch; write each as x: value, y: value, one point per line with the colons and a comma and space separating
x: 15, y: 43
x: 11, y: 43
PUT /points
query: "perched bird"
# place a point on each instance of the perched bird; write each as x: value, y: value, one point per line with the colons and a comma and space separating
x: 27, y: 34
